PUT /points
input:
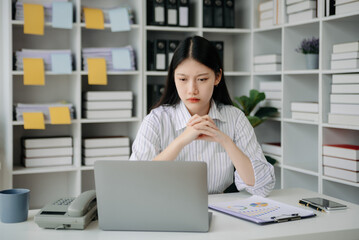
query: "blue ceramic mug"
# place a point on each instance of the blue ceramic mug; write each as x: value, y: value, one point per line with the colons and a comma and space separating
x: 14, y: 205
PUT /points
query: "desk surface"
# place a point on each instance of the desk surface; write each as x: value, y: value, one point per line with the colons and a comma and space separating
x: 343, y: 224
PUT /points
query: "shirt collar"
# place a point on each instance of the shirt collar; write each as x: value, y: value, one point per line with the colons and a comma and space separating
x: 183, y: 115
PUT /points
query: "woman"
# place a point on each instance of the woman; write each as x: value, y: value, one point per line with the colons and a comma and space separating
x: 196, y: 121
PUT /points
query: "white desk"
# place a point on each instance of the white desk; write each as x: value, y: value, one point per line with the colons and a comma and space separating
x: 343, y: 224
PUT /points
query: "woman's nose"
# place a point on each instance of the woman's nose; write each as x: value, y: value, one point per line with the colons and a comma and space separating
x: 193, y: 88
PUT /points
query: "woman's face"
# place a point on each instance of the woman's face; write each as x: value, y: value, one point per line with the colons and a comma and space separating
x: 195, y: 82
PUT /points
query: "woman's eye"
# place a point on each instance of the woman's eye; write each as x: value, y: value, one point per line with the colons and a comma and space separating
x: 182, y: 79
x: 202, y: 79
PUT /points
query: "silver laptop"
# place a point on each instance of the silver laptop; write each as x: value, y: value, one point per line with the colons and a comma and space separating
x: 152, y: 196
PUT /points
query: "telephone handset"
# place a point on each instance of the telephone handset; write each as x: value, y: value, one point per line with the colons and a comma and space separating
x: 68, y: 213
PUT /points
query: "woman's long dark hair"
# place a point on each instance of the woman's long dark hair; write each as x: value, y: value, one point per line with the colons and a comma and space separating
x: 201, y: 50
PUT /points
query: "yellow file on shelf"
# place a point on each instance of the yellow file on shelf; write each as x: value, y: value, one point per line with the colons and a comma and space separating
x: 34, y: 72
x: 97, y: 71
x: 94, y: 18
x: 33, y: 120
x: 33, y: 19
x: 60, y: 115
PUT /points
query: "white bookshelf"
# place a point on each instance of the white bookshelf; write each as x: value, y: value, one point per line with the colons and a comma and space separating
x: 301, y: 164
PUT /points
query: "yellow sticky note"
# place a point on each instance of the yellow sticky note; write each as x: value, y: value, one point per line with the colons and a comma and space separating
x: 97, y: 71
x: 33, y: 120
x: 34, y: 73
x: 33, y: 19
x: 94, y: 18
x: 60, y: 115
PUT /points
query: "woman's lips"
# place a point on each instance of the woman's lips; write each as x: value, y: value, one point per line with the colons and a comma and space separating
x: 193, y: 100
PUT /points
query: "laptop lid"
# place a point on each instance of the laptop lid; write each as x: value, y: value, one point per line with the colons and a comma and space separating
x: 152, y: 196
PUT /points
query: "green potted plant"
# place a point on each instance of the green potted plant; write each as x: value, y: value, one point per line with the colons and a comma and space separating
x: 249, y: 104
x: 310, y: 47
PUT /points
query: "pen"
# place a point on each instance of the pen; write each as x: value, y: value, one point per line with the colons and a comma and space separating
x: 311, y: 206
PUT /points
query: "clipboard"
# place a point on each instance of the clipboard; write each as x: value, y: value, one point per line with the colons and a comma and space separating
x: 262, y: 210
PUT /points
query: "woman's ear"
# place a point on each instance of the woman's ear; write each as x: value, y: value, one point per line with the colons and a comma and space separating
x: 218, y: 78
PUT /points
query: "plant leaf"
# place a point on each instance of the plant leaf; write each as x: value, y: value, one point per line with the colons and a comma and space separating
x: 254, y: 121
x: 255, y: 98
x: 264, y: 112
x: 244, y: 103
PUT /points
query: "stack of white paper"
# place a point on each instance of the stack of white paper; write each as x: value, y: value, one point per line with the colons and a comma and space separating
x: 107, y: 104
x: 346, y: 6
x: 117, y: 59
x: 308, y: 111
x: 301, y: 10
x: 106, y: 14
x: 268, y: 62
x: 48, y: 55
x: 273, y: 92
x: 344, y: 99
x: 49, y: 151
x: 105, y: 148
x: 19, y: 14
x: 345, y: 55
x: 20, y: 108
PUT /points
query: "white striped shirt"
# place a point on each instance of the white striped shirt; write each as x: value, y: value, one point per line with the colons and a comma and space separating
x: 165, y: 123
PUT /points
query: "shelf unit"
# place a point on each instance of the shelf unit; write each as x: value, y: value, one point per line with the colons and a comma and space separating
x: 302, y: 141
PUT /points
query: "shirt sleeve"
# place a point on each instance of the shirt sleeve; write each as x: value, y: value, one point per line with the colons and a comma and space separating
x: 246, y: 140
x: 147, y: 143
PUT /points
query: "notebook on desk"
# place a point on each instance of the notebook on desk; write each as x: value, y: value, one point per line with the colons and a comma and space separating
x: 152, y: 196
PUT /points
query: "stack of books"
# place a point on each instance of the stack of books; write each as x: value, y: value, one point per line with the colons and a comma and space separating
x: 273, y: 150
x: 265, y: 10
x: 270, y: 13
x: 345, y: 55
x: 346, y: 6
x: 341, y: 161
x: 117, y: 59
x: 301, y: 10
x: 308, y: 111
x: 49, y: 151
x: 344, y: 99
x: 20, y: 108
x: 107, y: 104
x: 268, y: 62
x: 105, y: 148
x: 273, y: 92
x: 47, y: 55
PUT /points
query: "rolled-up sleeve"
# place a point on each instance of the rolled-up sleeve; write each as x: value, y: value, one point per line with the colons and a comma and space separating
x: 246, y: 140
x: 147, y: 143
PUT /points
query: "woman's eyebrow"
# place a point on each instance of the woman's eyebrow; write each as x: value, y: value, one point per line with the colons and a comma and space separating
x: 200, y: 74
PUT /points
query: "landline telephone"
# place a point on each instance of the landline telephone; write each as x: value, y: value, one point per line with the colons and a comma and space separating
x: 68, y: 213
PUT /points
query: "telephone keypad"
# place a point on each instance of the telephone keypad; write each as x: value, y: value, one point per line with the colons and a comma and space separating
x: 64, y: 201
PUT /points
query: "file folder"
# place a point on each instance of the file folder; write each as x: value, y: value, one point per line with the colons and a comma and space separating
x: 207, y: 13
x: 150, y: 56
x: 183, y: 15
x: 218, y: 13
x: 172, y: 12
x: 156, y: 12
x: 219, y: 45
x: 160, y: 55
x: 171, y: 47
x: 228, y: 14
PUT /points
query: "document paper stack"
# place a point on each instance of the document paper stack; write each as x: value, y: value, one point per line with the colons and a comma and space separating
x: 105, y: 148
x: 273, y: 92
x: 308, y: 111
x: 299, y: 10
x: 266, y: 63
x: 117, y: 59
x: 49, y: 151
x: 47, y: 55
x: 20, y: 108
x: 107, y: 104
x: 19, y: 14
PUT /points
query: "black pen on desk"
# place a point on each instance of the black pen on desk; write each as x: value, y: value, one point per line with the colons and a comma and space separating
x: 311, y: 206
